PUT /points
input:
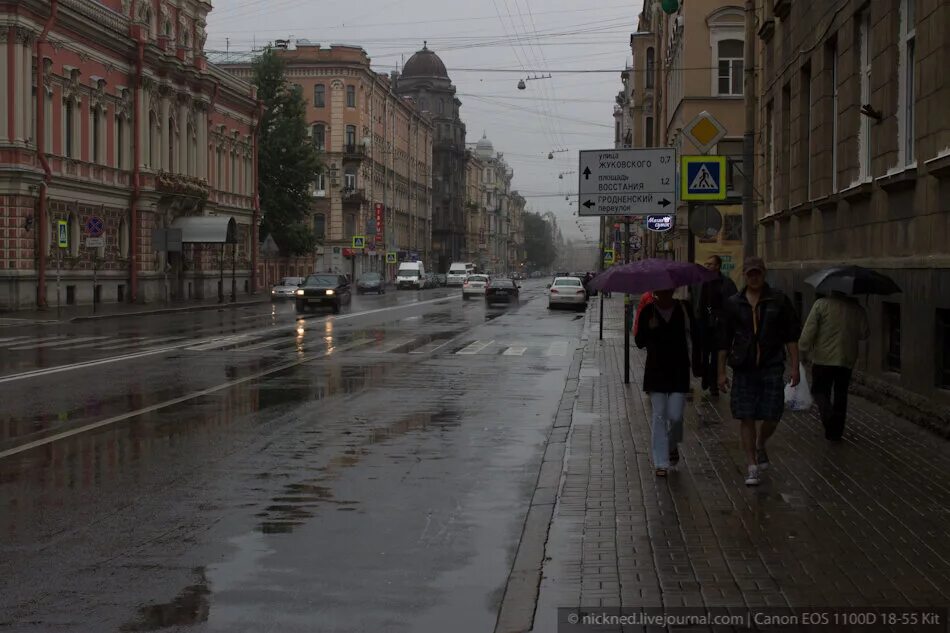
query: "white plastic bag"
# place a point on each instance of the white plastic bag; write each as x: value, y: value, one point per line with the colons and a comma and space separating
x: 799, y: 398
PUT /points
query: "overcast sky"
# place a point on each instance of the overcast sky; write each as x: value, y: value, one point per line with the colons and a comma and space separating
x: 569, y: 111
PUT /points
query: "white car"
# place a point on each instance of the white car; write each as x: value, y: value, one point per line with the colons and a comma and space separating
x: 474, y: 285
x: 286, y: 288
x: 567, y: 291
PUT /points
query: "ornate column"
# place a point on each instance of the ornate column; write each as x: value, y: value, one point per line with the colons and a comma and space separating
x: 6, y: 81
x: 184, y: 139
x: 202, y: 132
x: 164, y: 110
x: 24, y: 84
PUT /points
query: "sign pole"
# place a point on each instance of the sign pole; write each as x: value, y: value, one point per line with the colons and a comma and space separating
x: 95, y: 282
x: 221, y: 278
x: 59, y: 261
x: 628, y: 308
x: 603, y: 222
x: 234, y: 272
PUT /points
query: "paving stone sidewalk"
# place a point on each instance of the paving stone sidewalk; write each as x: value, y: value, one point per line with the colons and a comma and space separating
x: 859, y: 523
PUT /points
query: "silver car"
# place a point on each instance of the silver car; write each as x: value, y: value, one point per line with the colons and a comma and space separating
x: 474, y: 285
x: 286, y: 288
x: 567, y: 291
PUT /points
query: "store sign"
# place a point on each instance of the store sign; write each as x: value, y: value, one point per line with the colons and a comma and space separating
x: 379, y: 223
x: 660, y: 223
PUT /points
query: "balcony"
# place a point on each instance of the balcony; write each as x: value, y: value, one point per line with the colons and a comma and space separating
x: 353, y: 197
x: 353, y: 153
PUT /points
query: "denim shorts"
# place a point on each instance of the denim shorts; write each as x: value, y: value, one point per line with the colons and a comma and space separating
x: 758, y: 394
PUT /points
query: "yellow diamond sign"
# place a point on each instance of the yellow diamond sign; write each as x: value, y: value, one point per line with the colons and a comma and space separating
x: 704, y: 131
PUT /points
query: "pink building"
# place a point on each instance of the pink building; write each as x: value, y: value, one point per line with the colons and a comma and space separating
x: 136, y: 132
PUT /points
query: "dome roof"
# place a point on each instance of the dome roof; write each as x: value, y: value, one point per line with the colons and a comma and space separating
x: 484, y: 147
x: 425, y: 63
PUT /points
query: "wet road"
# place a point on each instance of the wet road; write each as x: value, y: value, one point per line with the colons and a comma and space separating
x: 256, y: 471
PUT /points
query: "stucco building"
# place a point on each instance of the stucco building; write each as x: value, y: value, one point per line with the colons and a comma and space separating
x: 854, y: 168
x: 377, y: 152
x: 113, y: 123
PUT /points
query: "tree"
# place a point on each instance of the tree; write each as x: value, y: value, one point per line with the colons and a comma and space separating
x: 539, y: 241
x: 288, y: 162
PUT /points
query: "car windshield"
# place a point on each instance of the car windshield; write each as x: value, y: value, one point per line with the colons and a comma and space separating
x: 481, y: 278
x: 290, y: 281
x: 409, y: 273
x: 322, y: 280
x: 458, y: 270
x: 370, y: 277
x: 503, y: 282
x: 567, y: 282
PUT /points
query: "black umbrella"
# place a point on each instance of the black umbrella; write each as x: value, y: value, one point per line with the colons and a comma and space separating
x: 853, y: 280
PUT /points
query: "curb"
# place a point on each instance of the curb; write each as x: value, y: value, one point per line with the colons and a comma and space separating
x: 143, y: 313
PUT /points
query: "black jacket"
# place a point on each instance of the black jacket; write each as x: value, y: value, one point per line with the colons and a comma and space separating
x: 668, y: 361
x: 750, y: 349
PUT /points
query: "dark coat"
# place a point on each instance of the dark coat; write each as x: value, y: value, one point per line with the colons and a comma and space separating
x: 778, y: 326
x: 668, y: 363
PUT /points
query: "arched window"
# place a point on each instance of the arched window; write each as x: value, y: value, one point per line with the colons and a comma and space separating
x: 319, y: 133
x: 152, y: 148
x: 351, y: 96
x: 319, y: 96
x: 730, y: 56
x: 69, y: 129
x: 650, y: 68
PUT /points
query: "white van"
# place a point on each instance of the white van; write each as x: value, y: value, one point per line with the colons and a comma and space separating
x: 411, y: 275
x: 458, y: 272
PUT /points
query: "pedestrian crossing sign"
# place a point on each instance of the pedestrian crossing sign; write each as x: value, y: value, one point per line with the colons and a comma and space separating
x: 359, y: 241
x: 703, y: 177
x: 608, y: 256
x: 62, y: 233
x: 391, y: 258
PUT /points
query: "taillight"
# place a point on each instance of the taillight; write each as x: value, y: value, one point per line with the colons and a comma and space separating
x: 580, y: 292
x: 465, y: 284
x: 553, y: 291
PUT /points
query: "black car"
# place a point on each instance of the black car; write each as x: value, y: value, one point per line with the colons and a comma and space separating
x: 370, y: 282
x: 500, y: 289
x: 325, y: 289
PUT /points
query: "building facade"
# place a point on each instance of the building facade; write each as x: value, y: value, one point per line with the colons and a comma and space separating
x: 425, y: 79
x: 377, y: 153
x: 476, y: 211
x: 113, y: 124
x: 854, y: 168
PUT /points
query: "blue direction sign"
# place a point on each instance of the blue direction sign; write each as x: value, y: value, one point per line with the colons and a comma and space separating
x: 95, y: 226
x: 660, y: 223
x: 703, y: 178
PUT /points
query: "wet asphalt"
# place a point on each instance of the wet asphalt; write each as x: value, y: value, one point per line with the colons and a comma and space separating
x: 258, y: 470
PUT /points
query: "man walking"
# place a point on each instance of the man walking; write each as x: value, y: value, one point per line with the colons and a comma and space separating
x: 829, y: 340
x: 708, y: 301
x: 758, y: 325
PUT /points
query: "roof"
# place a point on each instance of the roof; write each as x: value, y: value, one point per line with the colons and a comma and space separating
x: 425, y: 63
x: 207, y: 229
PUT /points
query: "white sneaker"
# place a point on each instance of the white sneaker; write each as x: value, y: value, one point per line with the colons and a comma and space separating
x: 753, y: 478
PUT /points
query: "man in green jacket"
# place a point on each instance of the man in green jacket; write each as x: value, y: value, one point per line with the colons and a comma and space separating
x: 829, y: 340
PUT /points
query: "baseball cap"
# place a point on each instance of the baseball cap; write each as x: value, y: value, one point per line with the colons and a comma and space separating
x: 753, y: 263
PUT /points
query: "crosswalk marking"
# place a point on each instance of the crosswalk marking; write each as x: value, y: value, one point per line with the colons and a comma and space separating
x: 430, y: 347
x: 10, y: 339
x: 230, y: 340
x: 558, y: 348
x: 515, y: 350
x: 474, y: 348
x: 56, y: 343
x: 34, y: 343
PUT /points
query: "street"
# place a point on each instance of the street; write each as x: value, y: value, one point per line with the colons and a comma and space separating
x: 249, y: 470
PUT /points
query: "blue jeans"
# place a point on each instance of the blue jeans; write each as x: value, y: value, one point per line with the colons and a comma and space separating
x: 667, y: 425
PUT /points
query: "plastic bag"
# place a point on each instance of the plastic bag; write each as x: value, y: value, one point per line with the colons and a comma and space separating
x: 799, y: 398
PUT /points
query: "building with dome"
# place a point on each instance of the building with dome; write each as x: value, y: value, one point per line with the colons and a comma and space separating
x: 425, y: 79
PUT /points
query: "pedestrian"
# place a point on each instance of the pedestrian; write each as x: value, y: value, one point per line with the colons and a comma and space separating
x: 645, y: 299
x: 668, y: 335
x: 708, y: 301
x: 759, y: 324
x: 829, y: 340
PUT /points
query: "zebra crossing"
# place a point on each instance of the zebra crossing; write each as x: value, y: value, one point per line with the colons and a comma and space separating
x: 63, y: 342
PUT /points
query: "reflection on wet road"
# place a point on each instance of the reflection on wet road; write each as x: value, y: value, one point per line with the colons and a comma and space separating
x: 360, y: 473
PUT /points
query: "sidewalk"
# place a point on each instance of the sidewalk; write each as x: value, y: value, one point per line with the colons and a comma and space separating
x: 120, y: 310
x: 859, y: 523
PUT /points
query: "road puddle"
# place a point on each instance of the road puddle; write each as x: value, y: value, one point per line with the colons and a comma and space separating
x: 191, y: 606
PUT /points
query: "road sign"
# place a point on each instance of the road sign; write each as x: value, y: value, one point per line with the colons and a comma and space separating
x: 705, y: 221
x: 62, y: 233
x: 660, y: 223
x: 391, y: 258
x: 626, y: 181
x: 704, y: 131
x: 359, y: 241
x: 95, y: 226
x: 703, y: 178
x: 608, y: 256
x: 95, y: 242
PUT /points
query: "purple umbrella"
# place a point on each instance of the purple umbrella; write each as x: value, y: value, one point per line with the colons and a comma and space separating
x: 651, y: 274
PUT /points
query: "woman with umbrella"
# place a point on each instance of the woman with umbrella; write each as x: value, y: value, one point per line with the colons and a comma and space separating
x: 830, y: 338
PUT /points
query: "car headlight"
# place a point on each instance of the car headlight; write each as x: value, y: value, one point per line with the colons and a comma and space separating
x: 273, y: 292
x: 331, y: 292
x: 300, y: 292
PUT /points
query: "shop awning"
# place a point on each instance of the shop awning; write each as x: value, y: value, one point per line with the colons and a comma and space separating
x: 207, y: 229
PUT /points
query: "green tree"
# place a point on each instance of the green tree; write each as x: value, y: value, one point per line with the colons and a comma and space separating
x: 288, y: 162
x: 539, y: 244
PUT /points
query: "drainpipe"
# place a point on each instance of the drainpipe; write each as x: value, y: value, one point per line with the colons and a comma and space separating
x: 42, y: 224
x: 136, y: 185
x: 256, y: 221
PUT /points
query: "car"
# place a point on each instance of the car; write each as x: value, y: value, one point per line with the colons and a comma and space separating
x: 442, y: 278
x: 474, y: 285
x: 567, y: 291
x: 501, y: 289
x: 286, y: 288
x: 411, y: 275
x: 370, y: 282
x: 431, y: 281
x: 458, y: 272
x: 323, y: 289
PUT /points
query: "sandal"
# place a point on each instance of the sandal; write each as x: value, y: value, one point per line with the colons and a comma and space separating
x: 661, y: 472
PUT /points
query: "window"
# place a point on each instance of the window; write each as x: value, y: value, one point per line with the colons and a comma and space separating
x: 864, y: 74
x: 648, y: 131
x: 732, y: 228
x: 171, y: 145
x: 319, y: 96
x: 905, y: 121
x: 320, y: 185
x: 650, y: 69
x: 349, y: 225
x: 351, y: 96
x: 120, y: 142
x: 787, y: 143
x: 770, y: 155
x: 319, y: 226
x: 831, y: 57
x: 730, y: 67
x: 72, y: 223
x: 441, y: 106
x: 350, y: 138
x: 892, y: 340
x: 349, y: 181
x: 69, y: 129
x: 942, y: 348
x: 319, y: 134
x: 96, y: 131
x: 805, y: 134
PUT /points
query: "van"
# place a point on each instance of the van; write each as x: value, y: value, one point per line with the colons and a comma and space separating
x: 411, y: 275
x: 458, y: 271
